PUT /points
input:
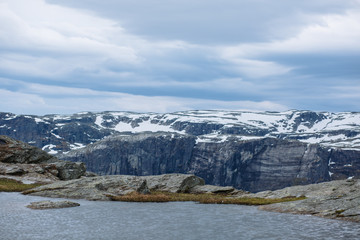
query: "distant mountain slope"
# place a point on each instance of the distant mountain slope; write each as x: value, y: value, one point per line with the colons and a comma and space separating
x: 62, y: 133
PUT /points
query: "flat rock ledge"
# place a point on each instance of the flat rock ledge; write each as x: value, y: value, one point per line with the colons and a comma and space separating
x: 335, y: 199
x: 50, y: 205
x: 103, y: 187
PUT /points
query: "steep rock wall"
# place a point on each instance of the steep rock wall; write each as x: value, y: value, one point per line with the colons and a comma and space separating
x: 253, y: 165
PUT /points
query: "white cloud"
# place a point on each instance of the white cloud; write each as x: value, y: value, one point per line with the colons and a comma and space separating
x: 212, y: 22
x: 257, y: 68
x: 42, y: 42
x: 41, y: 38
x: 347, y: 92
x: 44, y: 99
x: 336, y: 34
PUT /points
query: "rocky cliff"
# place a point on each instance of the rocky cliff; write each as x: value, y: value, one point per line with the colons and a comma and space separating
x: 252, y: 165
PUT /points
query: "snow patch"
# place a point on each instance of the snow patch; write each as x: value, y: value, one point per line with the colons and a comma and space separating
x: 57, y: 136
x: 77, y: 146
x: 39, y: 120
x: 99, y: 120
x: 49, y: 149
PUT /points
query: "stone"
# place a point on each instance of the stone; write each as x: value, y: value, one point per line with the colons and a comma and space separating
x: 173, y: 182
x: 212, y: 189
x: 11, y: 170
x: 51, y: 205
x: 90, y: 174
x: 143, y: 189
x: 70, y: 170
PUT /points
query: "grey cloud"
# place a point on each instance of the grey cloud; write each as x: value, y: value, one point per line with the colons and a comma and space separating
x: 212, y: 21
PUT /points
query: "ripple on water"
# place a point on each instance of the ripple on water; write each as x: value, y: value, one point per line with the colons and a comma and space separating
x: 176, y: 220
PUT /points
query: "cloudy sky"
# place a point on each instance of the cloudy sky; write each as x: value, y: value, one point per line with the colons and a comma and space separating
x: 66, y: 56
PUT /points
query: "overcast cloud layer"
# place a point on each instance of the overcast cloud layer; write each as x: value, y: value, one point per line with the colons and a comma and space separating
x: 65, y: 56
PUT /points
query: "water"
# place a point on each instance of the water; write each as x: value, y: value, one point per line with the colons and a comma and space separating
x: 176, y: 220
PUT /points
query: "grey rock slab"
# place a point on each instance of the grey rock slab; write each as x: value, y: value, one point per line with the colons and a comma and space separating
x: 101, y: 187
x: 173, y: 182
x: 212, y: 189
x: 336, y: 199
x: 50, y: 205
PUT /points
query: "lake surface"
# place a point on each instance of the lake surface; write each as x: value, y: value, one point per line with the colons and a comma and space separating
x: 175, y: 220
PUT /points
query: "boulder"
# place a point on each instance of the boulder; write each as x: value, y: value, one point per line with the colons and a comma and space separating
x: 49, y: 205
x: 7, y: 169
x: 70, y: 170
x: 173, y: 182
x: 212, y: 189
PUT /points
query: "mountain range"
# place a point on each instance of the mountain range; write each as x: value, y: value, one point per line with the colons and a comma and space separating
x: 253, y: 151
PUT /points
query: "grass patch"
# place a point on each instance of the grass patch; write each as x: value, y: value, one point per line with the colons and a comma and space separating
x: 205, y: 198
x: 339, y: 212
x: 10, y: 185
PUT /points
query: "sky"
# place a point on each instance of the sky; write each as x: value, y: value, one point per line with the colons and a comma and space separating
x: 65, y: 56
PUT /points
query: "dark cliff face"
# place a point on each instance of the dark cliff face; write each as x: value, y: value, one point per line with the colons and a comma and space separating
x: 257, y: 165
x: 254, y: 165
x: 139, y: 154
x: 344, y: 164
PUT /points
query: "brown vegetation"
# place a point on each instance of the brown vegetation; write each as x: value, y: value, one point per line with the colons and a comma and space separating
x: 205, y: 198
x: 10, y: 185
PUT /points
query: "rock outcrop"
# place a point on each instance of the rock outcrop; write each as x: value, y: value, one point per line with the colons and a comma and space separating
x: 336, y: 199
x: 213, y: 189
x: 102, y: 187
x: 13, y: 151
x: 26, y: 163
x: 51, y: 205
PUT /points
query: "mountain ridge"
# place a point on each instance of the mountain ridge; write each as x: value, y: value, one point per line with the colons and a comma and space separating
x: 253, y: 151
x: 336, y: 130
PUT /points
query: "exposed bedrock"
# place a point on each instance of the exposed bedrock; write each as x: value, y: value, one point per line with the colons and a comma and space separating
x: 335, y: 199
x: 101, y: 187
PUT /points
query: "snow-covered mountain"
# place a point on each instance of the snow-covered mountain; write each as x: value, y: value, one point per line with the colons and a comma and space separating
x: 253, y: 151
x: 62, y: 133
